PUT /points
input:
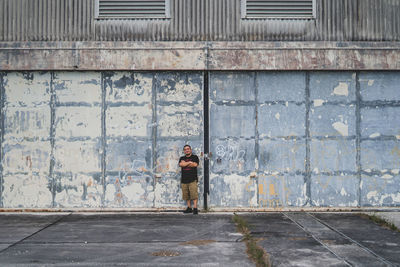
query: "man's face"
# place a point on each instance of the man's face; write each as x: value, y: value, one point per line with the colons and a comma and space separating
x: 187, y: 150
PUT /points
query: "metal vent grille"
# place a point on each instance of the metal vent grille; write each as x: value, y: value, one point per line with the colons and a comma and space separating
x: 279, y: 8
x: 132, y: 9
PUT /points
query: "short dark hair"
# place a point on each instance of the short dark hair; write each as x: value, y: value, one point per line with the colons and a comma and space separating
x: 187, y: 146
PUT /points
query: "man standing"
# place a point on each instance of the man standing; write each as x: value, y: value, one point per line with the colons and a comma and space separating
x: 189, y: 179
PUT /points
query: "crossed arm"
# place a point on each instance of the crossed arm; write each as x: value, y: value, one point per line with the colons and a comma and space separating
x: 188, y: 164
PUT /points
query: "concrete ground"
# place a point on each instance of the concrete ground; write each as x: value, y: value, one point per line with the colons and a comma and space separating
x: 208, y: 239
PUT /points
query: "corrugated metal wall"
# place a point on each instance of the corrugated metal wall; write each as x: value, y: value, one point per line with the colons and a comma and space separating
x: 198, y: 20
x: 46, y: 20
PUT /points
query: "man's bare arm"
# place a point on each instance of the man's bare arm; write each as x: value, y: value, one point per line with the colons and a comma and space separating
x: 193, y: 164
x: 188, y: 164
x: 184, y: 163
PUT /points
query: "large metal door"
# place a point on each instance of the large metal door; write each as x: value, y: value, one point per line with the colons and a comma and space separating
x: 129, y: 180
x: 233, y: 122
x: 97, y: 139
x: 270, y: 133
x: 281, y: 138
x: 150, y: 117
x: 178, y: 120
x: 276, y: 139
x: 294, y: 139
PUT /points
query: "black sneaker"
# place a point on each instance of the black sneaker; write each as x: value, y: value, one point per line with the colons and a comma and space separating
x: 195, y: 211
x: 188, y: 210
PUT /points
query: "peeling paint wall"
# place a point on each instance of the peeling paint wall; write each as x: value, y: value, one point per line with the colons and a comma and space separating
x: 97, y: 139
x: 277, y: 139
x: 282, y: 139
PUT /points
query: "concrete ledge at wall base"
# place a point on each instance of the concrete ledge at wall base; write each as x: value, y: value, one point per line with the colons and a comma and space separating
x: 145, y: 56
x: 367, y: 210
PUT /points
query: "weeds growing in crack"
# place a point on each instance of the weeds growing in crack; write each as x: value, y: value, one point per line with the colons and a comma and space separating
x: 254, y: 251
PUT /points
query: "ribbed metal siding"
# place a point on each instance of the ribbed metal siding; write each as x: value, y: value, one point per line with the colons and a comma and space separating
x: 46, y: 20
x: 131, y: 8
x: 198, y: 20
x: 189, y: 22
x: 278, y: 9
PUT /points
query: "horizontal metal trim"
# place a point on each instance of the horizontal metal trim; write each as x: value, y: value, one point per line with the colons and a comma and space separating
x: 199, y: 56
x: 202, y: 48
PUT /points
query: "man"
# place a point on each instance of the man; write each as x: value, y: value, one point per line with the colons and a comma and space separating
x: 189, y: 179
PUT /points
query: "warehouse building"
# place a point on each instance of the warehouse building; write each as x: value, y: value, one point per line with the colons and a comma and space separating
x: 289, y: 104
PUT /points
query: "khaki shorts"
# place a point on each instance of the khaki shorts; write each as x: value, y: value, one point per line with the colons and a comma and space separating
x: 189, y: 191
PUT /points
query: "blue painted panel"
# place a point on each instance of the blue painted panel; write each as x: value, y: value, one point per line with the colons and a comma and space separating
x: 275, y: 191
x: 129, y: 121
x: 130, y: 87
x: 181, y: 87
x: 334, y: 191
x: 128, y: 192
x: 380, y: 155
x: 333, y: 86
x: 179, y: 121
x: 27, y: 89
x: 77, y: 156
x: 27, y: 190
x: 130, y: 173
x: 281, y: 155
x: 333, y: 120
x: 232, y: 156
x: 281, y: 120
x: 232, y: 86
x: 129, y: 156
x: 380, y: 121
x: 21, y: 123
x: 333, y: 155
x: 232, y: 191
x: 232, y: 121
x: 380, y: 86
x: 77, y: 190
x: 25, y: 156
x: 281, y: 86
x: 25, y: 181
x: 380, y: 190
x: 77, y: 122
x: 78, y: 87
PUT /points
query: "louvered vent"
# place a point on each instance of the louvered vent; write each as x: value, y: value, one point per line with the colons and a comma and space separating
x: 279, y: 8
x: 132, y: 8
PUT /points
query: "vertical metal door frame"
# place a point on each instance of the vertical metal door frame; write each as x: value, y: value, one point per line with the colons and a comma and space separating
x: 206, y: 124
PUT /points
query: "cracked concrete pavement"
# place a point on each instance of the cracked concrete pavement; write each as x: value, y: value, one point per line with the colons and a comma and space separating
x: 209, y: 239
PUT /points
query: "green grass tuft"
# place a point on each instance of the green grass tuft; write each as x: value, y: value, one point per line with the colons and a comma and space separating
x: 254, y: 251
x: 383, y: 222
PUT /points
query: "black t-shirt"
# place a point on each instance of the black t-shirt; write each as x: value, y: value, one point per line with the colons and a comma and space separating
x: 189, y: 174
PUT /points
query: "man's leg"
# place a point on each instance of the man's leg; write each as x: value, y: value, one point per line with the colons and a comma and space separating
x: 188, y: 203
x: 194, y: 195
x: 186, y: 197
